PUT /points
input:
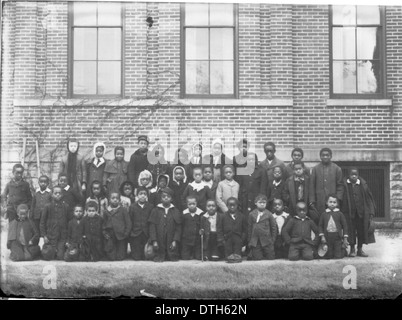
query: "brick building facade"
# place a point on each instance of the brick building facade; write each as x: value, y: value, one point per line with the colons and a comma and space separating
x: 282, y: 87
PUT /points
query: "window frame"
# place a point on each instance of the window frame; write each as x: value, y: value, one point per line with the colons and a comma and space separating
x: 235, y: 94
x: 70, y: 52
x: 382, y: 59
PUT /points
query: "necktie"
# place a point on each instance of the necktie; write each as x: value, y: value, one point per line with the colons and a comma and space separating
x: 97, y: 163
x: 300, y: 192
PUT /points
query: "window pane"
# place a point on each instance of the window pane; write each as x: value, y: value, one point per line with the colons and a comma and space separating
x: 109, y: 44
x: 196, y: 14
x: 368, y: 76
x: 109, y: 77
x: 221, y: 44
x: 368, y: 15
x: 84, y: 13
x: 344, y: 76
x: 221, y: 14
x: 221, y: 77
x: 367, y: 47
x: 109, y: 14
x: 344, y: 15
x: 343, y: 43
x: 84, y: 43
x: 84, y: 77
x: 197, y: 77
x: 196, y: 44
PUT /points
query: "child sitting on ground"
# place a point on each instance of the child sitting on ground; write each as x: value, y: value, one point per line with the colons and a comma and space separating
x: 23, y: 236
x: 116, y: 228
x: 92, y: 237
x: 165, y: 228
x: 97, y: 195
x: 232, y: 229
x: 191, y: 222
x: 281, y: 218
x: 53, y: 226
x: 140, y: 212
x: 297, y: 234
x: 74, y: 236
x: 209, y: 223
x: 333, y: 229
x: 262, y: 231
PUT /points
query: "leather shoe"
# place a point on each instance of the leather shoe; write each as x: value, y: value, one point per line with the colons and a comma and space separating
x: 352, y: 252
x: 361, y: 253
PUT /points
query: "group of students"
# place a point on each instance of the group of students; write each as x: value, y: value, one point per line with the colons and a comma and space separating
x: 205, y: 207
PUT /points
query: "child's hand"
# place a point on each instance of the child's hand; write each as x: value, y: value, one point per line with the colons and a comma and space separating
x: 155, y: 245
x: 30, y: 242
x: 67, y: 245
x: 173, y: 246
x: 45, y: 239
x: 345, y: 242
x: 323, y: 240
x: 243, y: 249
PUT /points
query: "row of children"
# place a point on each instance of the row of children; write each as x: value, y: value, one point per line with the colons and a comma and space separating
x: 267, y: 178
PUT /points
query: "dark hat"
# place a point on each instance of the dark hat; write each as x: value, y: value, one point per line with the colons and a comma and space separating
x: 322, y: 250
x: 168, y: 191
x: 143, y: 137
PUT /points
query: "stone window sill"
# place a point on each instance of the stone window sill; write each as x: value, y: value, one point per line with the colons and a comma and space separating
x: 359, y: 102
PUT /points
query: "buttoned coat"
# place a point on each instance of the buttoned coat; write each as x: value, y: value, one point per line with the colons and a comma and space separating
x: 265, y: 230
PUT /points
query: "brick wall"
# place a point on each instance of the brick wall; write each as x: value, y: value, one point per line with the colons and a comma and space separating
x: 283, y: 54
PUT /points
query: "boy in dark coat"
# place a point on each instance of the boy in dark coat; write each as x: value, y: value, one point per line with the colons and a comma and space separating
x: 276, y: 187
x: 359, y: 209
x: 232, y: 229
x: 53, y: 226
x: 96, y: 166
x: 197, y: 188
x: 138, y: 160
x: 140, y: 212
x: 178, y: 184
x: 75, y: 232
x: 297, y: 234
x: 115, y: 171
x: 271, y: 161
x: 92, y: 237
x: 165, y: 228
x: 70, y: 195
x: 41, y: 198
x: 23, y: 237
x: 209, y: 223
x: 155, y: 194
x: 16, y: 192
x: 326, y: 178
x: 296, y: 189
x: 253, y: 181
x: 297, y: 156
x: 281, y: 218
x: 262, y: 231
x: 333, y: 229
x: 207, y: 178
x: 191, y: 224
x: 116, y: 229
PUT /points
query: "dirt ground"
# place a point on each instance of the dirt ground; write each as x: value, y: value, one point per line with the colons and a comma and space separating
x: 378, y: 276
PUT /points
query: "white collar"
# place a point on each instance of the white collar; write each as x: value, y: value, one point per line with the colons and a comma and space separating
x: 197, y: 212
x: 42, y: 192
x: 284, y: 214
x: 229, y: 183
x: 277, y: 183
x: 197, y: 186
x: 102, y: 161
x: 212, y: 217
x: 160, y: 205
x: 357, y: 182
x: 109, y: 208
x: 306, y: 218
x: 208, y: 183
x: 329, y: 210
x: 67, y: 188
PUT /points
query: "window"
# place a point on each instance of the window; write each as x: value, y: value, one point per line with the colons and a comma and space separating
x: 208, y: 55
x: 95, y: 49
x: 357, y: 51
x: 376, y: 175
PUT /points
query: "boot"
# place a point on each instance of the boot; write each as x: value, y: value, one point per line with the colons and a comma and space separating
x: 352, y: 252
x: 361, y: 253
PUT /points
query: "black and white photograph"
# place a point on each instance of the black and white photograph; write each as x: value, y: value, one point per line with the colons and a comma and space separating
x: 167, y: 151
